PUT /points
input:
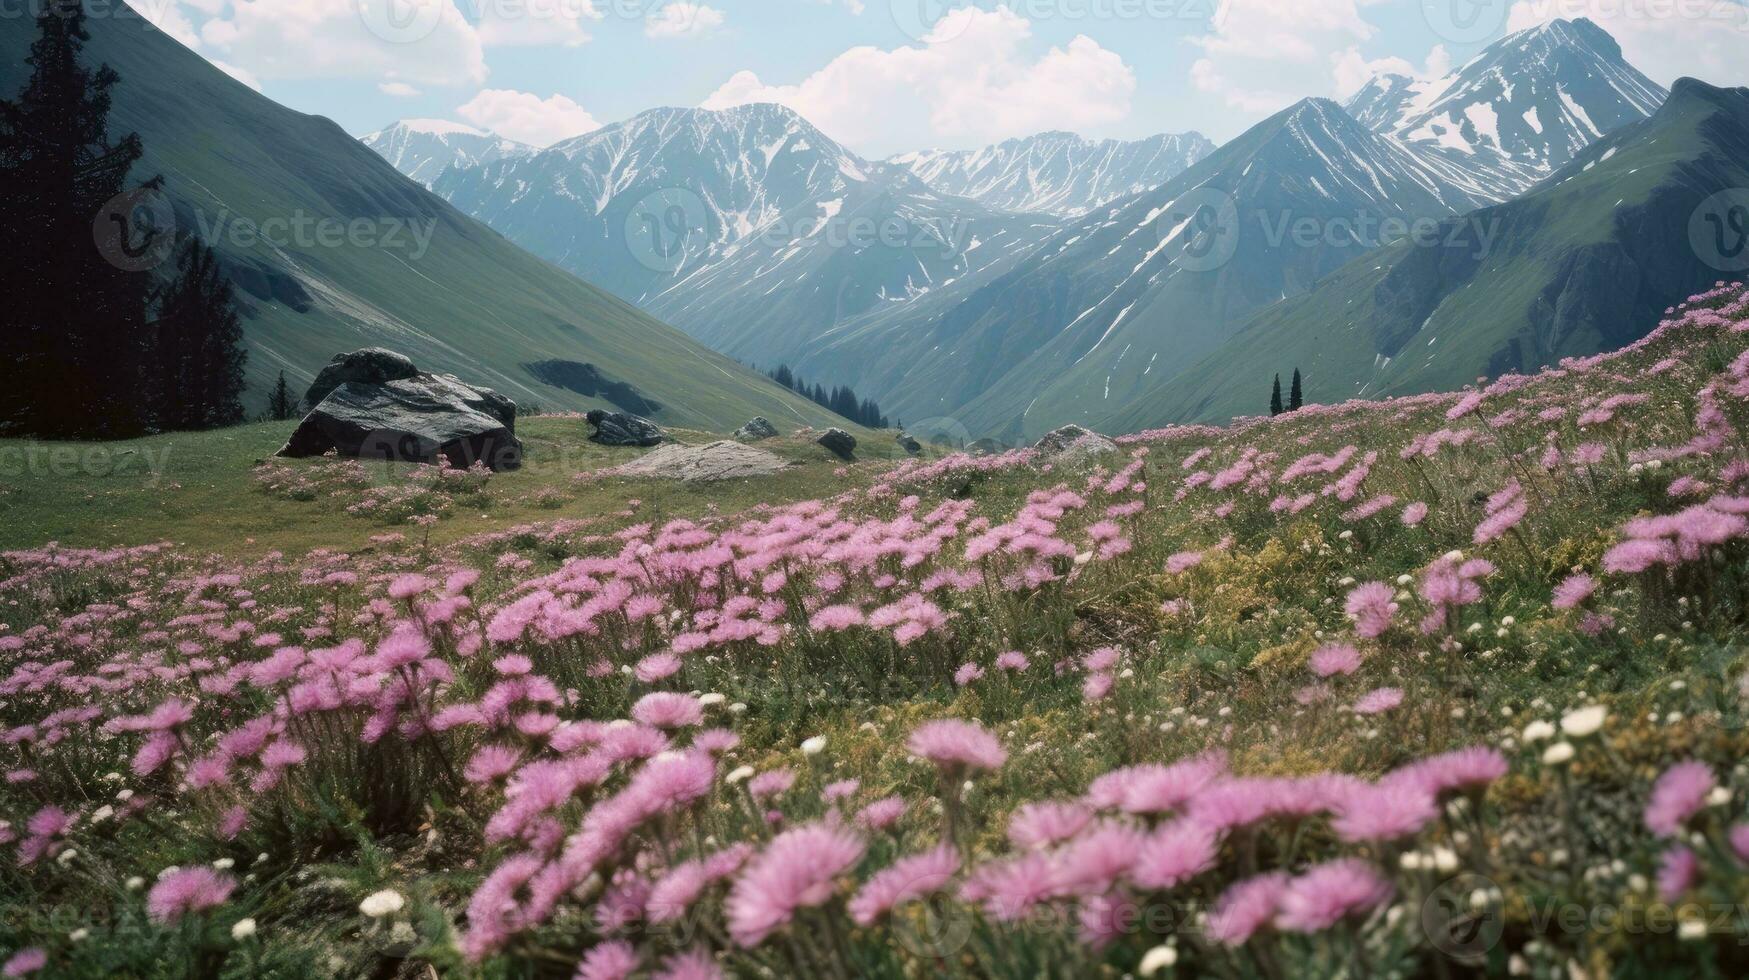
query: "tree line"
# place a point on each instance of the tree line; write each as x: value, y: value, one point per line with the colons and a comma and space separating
x: 97, y: 341
x: 842, y: 400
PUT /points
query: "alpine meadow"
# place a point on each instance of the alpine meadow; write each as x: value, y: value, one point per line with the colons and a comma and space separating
x: 970, y: 490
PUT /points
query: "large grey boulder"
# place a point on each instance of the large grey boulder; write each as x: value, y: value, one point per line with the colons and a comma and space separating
x: 1073, y: 443
x: 757, y: 429
x: 911, y: 446
x: 426, y: 418
x: 704, y: 464
x: 373, y: 365
x: 838, y: 442
x: 623, y: 429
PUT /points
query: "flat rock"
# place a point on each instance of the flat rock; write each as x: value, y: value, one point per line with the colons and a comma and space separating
x: 704, y: 464
x: 624, y: 429
x: 757, y: 429
x: 1072, y: 442
x: 422, y: 419
x: 838, y: 442
x: 373, y: 365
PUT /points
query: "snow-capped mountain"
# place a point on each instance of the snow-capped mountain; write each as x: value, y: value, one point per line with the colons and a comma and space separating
x: 1538, y: 97
x: 1587, y: 261
x: 747, y: 227
x: 1143, y: 287
x: 424, y: 148
x: 1057, y: 173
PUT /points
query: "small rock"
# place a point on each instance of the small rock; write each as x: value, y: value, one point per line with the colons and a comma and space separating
x: 759, y: 428
x: 838, y: 442
x: 621, y: 429
x: 911, y: 446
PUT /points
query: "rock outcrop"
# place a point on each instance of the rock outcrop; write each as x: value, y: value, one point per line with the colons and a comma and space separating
x: 839, y: 443
x: 704, y: 464
x: 622, y: 429
x: 757, y: 429
x: 421, y: 418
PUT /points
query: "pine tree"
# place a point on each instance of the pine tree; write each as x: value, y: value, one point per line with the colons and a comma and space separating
x: 73, y: 327
x: 1275, y: 398
x: 1296, y: 400
x: 198, y: 355
x: 282, y: 404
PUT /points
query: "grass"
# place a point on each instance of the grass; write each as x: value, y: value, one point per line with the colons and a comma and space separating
x: 199, y: 490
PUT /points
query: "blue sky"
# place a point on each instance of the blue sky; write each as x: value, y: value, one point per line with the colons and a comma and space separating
x: 884, y: 76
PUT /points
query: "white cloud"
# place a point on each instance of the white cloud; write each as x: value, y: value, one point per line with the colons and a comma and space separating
x: 166, y: 16
x: 535, y: 22
x: 528, y: 118
x: 683, y: 19
x: 1353, y: 71
x: 1706, y: 39
x: 400, y: 90
x: 970, y: 81
x: 1264, y: 55
x: 246, y: 77
x: 299, y: 39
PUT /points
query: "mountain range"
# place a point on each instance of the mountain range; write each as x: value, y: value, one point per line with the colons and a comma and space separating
x: 424, y: 148
x: 333, y: 250
x: 1057, y: 173
x: 1054, y: 279
x: 1537, y: 203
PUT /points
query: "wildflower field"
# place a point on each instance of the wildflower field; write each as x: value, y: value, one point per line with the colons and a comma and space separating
x: 1450, y: 685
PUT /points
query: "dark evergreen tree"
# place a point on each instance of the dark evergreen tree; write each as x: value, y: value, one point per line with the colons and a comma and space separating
x: 1275, y: 398
x: 197, y: 357
x: 1296, y: 399
x: 784, y: 377
x: 282, y: 404
x: 73, y: 327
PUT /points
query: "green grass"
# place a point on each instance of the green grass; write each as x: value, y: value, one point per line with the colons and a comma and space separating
x: 199, y: 490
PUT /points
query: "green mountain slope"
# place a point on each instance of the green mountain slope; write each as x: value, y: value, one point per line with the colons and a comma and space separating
x: 467, y: 302
x: 1585, y: 262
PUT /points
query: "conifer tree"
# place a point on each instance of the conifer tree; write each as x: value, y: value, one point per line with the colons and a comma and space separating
x: 1296, y: 399
x: 73, y: 327
x: 1275, y: 398
x: 282, y: 404
x: 198, y: 354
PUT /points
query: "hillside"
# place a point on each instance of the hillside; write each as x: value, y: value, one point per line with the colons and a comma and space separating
x: 380, y: 261
x: 1578, y: 266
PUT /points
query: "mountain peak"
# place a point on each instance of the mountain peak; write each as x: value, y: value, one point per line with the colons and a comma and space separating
x: 439, y: 127
x: 1536, y: 97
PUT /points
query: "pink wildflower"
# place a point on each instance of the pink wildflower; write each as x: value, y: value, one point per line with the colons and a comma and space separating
x: 187, y: 890
x: 797, y: 870
x: 956, y: 746
x: 909, y: 878
x: 1677, y: 796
